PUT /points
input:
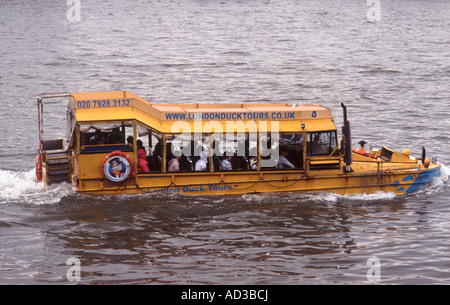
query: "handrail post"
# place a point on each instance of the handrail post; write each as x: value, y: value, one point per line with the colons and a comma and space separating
x: 40, y: 122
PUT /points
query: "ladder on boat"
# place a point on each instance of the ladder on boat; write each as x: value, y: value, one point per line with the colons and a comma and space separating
x: 58, y: 167
x: 52, y: 155
x: 56, y: 161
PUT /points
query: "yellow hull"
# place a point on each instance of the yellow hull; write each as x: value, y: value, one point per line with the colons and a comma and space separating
x: 399, y: 182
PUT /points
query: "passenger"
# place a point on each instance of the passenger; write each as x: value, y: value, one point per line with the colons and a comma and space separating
x: 97, y: 138
x: 140, y: 145
x: 115, y: 137
x: 174, y: 164
x: 142, y: 161
x: 283, y: 162
x: 226, y: 163
x: 317, y: 146
x: 158, y: 149
x: 253, y: 162
x: 202, y: 163
x: 130, y: 140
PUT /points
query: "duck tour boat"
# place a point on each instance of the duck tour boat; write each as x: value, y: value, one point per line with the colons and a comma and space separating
x: 117, y: 142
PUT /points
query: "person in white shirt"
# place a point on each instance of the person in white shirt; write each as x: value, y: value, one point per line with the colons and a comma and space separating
x: 283, y: 162
x: 202, y: 163
x: 226, y: 164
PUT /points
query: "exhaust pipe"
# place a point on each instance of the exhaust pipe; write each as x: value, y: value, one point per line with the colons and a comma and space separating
x: 347, y: 141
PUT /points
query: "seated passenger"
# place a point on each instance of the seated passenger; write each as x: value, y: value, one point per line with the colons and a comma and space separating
x: 142, y: 161
x: 115, y: 137
x: 158, y: 149
x: 139, y: 144
x: 174, y: 164
x: 130, y: 140
x: 318, y: 148
x: 283, y: 162
x: 226, y: 163
x: 186, y: 163
x: 202, y: 163
x: 97, y: 138
x: 253, y: 162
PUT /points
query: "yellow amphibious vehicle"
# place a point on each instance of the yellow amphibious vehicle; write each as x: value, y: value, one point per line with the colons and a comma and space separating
x: 118, y: 142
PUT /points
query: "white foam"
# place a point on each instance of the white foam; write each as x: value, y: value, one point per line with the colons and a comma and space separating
x: 21, y: 186
x: 16, y: 186
x: 332, y: 197
x: 445, y: 173
x: 439, y: 183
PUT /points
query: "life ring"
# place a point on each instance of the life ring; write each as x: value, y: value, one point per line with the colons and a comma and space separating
x: 117, y: 166
x: 38, y: 168
x: 365, y: 153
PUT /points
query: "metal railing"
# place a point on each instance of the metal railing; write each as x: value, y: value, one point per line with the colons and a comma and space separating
x: 40, y: 105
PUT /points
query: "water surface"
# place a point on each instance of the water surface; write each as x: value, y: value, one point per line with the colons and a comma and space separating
x: 392, y: 74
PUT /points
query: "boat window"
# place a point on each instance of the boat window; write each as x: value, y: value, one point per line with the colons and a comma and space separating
x: 105, y: 137
x: 290, y: 151
x: 235, y: 151
x: 321, y: 143
x: 149, y: 149
x: 187, y: 153
x: 269, y: 149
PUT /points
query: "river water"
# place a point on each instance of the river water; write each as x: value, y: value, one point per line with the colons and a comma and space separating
x: 392, y: 73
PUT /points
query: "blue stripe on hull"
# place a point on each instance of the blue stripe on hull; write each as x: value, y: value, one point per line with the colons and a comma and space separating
x: 422, y: 178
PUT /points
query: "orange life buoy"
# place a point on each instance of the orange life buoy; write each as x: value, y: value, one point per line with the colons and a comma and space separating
x: 118, y: 166
x: 363, y: 152
x: 38, y: 168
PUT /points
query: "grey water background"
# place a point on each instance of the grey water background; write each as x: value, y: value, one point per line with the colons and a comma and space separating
x: 393, y: 75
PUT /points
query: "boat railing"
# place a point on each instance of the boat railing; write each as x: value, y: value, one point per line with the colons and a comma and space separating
x: 40, y: 104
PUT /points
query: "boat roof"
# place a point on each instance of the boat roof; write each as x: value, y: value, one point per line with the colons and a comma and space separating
x: 113, y: 106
